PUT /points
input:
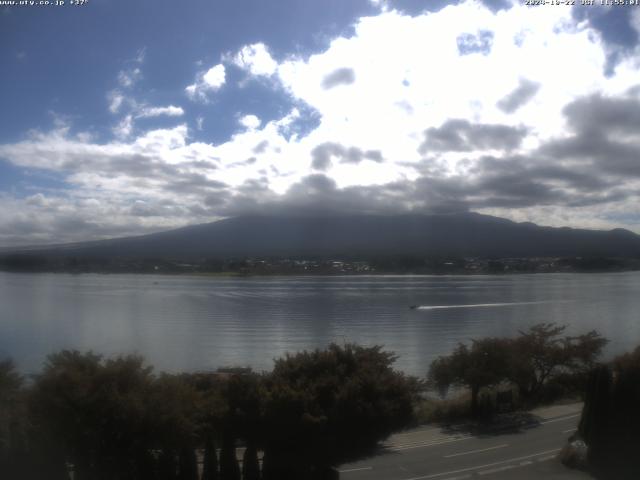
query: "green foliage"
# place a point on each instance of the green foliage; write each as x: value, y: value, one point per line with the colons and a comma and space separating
x: 112, y: 418
x: 167, y: 465
x: 96, y: 409
x: 188, y: 464
x: 250, y: 464
x: 327, y: 406
x: 596, y: 405
x: 229, y: 468
x: 483, y: 364
x: 12, y: 425
x: 443, y: 410
x: 210, y: 460
x: 243, y: 396
x: 175, y: 408
x: 10, y: 381
x: 531, y: 361
x: 610, y: 419
x: 541, y: 353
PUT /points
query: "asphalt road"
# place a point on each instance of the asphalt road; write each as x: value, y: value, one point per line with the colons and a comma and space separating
x: 521, y: 447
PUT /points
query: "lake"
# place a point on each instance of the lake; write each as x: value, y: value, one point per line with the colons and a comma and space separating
x: 195, y: 323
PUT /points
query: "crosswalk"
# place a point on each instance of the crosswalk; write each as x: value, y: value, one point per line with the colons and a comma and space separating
x: 423, y: 438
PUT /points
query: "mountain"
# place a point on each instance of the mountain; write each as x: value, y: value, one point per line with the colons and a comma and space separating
x: 464, y: 234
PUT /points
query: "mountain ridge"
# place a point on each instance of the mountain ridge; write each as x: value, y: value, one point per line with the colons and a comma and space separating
x: 468, y: 234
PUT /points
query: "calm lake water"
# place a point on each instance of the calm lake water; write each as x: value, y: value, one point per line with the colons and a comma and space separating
x: 193, y: 323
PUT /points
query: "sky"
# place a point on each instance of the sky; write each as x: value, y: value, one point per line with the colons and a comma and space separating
x: 123, y: 118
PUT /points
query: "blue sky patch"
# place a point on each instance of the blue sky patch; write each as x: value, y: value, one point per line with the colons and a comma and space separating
x: 480, y: 42
x: 23, y: 182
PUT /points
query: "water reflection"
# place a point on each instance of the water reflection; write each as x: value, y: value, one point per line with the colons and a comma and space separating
x: 191, y: 323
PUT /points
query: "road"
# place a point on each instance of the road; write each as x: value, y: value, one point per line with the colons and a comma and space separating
x: 522, y: 447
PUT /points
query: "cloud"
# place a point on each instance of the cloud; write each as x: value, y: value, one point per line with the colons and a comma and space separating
x: 116, y: 100
x: 322, y: 155
x: 605, y: 139
x: 497, y: 5
x: 121, y: 100
x: 416, y: 7
x: 214, y: 78
x: 526, y: 181
x: 141, y: 54
x: 261, y: 147
x: 523, y: 93
x: 616, y: 27
x: 340, y: 76
x: 207, y: 82
x: 418, y: 129
x: 459, y: 135
x: 250, y: 121
x: 479, y: 43
x: 128, y: 78
x: 256, y: 59
x: 170, y: 111
x: 620, y: 114
x: 124, y: 129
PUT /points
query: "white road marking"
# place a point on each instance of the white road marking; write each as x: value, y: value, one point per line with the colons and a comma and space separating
x: 544, y: 459
x: 569, y: 430
x: 461, y: 477
x: 497, y: 469
x: 417, y: 432
x: 479, y: 467
x: 409, y: 446
x: 355, y: 469
x: 476, y: 451
x: 427, y: 440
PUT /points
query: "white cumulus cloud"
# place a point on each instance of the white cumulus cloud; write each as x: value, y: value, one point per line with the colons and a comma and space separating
x: 170, y: 111
x: 250, y: 121
x: 209, y: 81
x: 256, y: 59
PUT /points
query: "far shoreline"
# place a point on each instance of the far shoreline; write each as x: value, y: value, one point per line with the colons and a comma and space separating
x: 238, y: 275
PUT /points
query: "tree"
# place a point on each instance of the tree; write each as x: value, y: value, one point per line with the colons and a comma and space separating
x: 250, y: 464
x: 210, y: 461
x: 167, y: 465
x: 229, y: 468
x: 60, y: 407
x: 610, y: 420
x: 188, y: 464
x: 176, y: 409
x: 483, y: 364
x: 593, y: 421
x: 13, y: 428
x: 243, y: 418
x: 541, y: 353
x: 328, y: 406
x: 96, y: 410
x: 529, y: 361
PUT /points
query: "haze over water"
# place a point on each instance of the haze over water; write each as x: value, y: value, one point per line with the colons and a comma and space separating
x: 198, y: 323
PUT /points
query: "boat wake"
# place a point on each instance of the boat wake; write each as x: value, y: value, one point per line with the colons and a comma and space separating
x: 475, y: 305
